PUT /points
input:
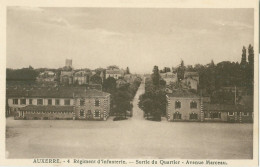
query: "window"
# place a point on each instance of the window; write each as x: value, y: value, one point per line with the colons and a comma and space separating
x: 22, y: 101
x: 67, y: 102
x: 177, y: 104
x: 177, y: 115
x: 49, y: 101
x: 89, y: 112
x: 30, y: 101
x: 97, y: 113
x: 193, y: 104
x: 216, y: 115
x: 82, y: 102
x: 81, y: 113
x: 193, y: 116
x: 97, y: 102
x: 230, y: 113
x: 206, y: 115
x: 39, y: 102
x: 57, y: 102
x: 15, y: 101
x: 246, y: 113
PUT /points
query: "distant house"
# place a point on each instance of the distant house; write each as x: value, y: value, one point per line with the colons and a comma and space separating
x: 183, y: 106
x: 169, y: 77
x: 193, y: 75
x: 190, y: 83
x: 115, y: 73
x: 58, y: 103
x: 81, y: 77
x: 46, y: 76
x: 66, y: 77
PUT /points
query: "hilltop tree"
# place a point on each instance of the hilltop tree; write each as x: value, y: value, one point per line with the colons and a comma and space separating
x: 243, y: 58
x: 127, y: 70
x: 250, y: 70
x: 251, y: 55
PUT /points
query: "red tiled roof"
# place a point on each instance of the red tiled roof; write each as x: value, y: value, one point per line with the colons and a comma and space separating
x: 47, y: 108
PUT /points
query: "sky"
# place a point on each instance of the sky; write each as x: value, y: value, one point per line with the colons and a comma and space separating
x: 135, y: 37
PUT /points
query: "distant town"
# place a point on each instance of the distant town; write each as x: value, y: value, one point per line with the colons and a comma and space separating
x: 221, y: 92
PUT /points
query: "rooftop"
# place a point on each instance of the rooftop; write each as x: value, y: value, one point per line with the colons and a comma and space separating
x: 115, y: 71
x: 183, y: 93
x: 59, y: 92
x: 225, y: 107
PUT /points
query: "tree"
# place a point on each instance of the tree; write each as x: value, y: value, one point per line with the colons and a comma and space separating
x: 250, y: 70
x: 243, y: 59
x: 24, y: 74
x: 147, y: 106
x: 95, y: 79
x: 127, y: 70
x: 122, y: 102
x: 156, y: 76
x: 180, y: 71
x: 251, y: 55
x: 109, y: 85
x: 112, y: 67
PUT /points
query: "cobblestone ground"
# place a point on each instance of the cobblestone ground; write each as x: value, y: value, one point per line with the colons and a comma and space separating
x: 132, y: 138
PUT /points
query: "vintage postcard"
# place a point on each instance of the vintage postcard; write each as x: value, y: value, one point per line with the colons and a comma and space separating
x: 129, y: 83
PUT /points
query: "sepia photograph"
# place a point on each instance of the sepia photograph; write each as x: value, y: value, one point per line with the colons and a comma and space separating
x: 144, y: 83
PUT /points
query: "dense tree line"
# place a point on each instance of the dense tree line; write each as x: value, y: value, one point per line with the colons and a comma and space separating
x: 227, y: 74
x: 24, y: 74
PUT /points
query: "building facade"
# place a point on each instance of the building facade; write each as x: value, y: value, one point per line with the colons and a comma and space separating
x: 115, y: 73
x: 227, y: 113
x: 59, y: 103
x: 183, y: 106
x: 193, y: 75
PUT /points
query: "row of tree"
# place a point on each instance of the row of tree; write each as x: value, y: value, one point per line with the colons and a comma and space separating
x: 121, y: 97
x: 153, y: 101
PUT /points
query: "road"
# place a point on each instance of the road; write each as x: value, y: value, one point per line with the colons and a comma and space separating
x: 137, y: 112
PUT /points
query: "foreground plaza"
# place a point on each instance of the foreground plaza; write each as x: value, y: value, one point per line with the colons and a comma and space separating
x: 132, y: 138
